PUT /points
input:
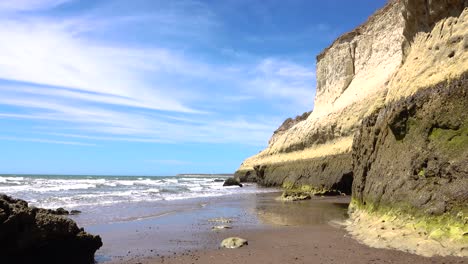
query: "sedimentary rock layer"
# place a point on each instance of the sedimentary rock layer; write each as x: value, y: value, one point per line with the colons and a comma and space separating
x: 34, y: 235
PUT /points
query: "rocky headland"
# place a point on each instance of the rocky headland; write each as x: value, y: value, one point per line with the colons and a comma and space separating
x: 389, y: 127
x: 35, y: 235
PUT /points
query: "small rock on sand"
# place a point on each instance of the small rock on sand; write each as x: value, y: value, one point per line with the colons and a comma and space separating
x: 291, y: 196
x: 220, y: 227
x: 233, y: 242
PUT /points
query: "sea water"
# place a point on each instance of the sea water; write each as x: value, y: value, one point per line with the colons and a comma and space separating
x: 118, y: 198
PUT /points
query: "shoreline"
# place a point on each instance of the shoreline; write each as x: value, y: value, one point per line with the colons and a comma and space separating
x: 310, y: 231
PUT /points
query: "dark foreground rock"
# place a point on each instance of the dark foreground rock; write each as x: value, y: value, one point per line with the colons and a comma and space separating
x: 35, y: 235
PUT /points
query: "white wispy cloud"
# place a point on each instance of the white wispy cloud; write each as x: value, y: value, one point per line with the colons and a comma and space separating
x: 29, y: 5
x: 90, y: 89
x: 283, y: 79
x: 44, y: 53
x: 105, y: 124
x: 41, y: 140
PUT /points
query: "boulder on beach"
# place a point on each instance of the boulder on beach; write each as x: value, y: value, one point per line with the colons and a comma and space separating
x: 75, y: 212
x: 61, y: 211
x: 232, y: 182
x: 35, y: 235
x: 220, y: 227
x: 233, y: 242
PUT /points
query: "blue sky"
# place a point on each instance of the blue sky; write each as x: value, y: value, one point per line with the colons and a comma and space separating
x: 148, y: 87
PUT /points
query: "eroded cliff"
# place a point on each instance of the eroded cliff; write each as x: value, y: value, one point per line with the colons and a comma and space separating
x: 308, y: 152
x: 392, y: 116
x: 410, y: 158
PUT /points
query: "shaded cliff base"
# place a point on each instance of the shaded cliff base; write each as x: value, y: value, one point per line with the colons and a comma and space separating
x: 321, y: 175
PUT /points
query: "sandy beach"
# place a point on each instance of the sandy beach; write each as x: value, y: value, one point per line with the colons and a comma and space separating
x: 277, y: 232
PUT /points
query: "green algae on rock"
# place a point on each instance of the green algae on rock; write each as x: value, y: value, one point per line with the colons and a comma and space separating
x: 429, y: 174
x: 422, y: 234
x: 292, y: 196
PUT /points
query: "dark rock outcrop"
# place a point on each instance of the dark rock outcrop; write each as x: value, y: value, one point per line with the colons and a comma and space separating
x: 248, y: 175
x: 35, y: 235
x: 323, y: 173
x: 232, y: 182
x: 75, y: 212
x: 61, y: 211
x: 413, y: 153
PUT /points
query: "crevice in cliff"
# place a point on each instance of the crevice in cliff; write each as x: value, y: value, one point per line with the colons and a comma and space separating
x: 345, y: 185
x: 352, y: 66
x: 352, y: 51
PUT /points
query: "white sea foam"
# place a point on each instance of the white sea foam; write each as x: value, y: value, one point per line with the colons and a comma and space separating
x: 76, y: 192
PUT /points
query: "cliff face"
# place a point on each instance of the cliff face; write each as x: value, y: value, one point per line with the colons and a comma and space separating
x: 410, y: 158
x: 390, y: 119
x: 307, y: 153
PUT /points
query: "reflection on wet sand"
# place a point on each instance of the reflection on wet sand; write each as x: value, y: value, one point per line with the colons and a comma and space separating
x: 318, y: 210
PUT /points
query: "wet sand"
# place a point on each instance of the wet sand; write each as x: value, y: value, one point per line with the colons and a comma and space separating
x: 277, y: 232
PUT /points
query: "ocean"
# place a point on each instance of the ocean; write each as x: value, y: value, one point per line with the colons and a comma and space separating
x: 104, y: 199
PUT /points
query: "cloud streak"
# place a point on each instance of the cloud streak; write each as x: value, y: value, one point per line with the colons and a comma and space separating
x: 41, y: 140
x: 30, y: 5
x: 56, y: 72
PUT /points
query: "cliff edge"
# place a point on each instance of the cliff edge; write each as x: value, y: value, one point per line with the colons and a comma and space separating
x: 390, y: 126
